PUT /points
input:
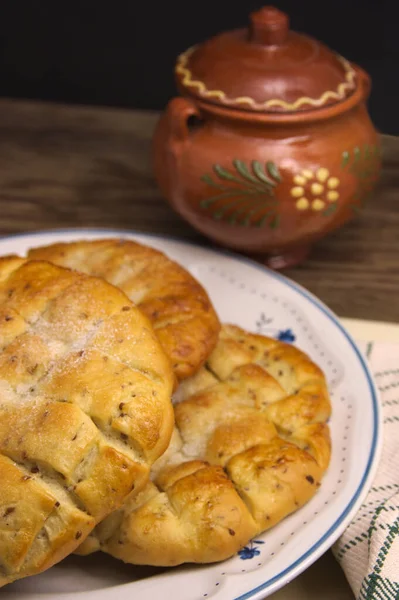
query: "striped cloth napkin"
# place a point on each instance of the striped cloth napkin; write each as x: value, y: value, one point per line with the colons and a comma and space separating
x: 368, y: 551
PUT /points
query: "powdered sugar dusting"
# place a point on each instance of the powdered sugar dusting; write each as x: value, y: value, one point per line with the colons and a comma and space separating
x: 21, y: 395
x: 57, y: 336
x: 7, y: 394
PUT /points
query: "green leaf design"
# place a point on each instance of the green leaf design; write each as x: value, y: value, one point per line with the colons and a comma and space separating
x: 227, y: 207
x: 258, y: 170
x: 253, y: 212
x: 208, y: 179
x: 275, y: 222
x: 360, y: 173
x: 245, y: 222
x: 268, y: 214
x: 345, y: 158
x: 224, y: 174
x: 262, y: 221
x: 330, y: 210
x: 258, y: 178
x: 363, y: 163
x: 236, y: 214
x: 273, y: 170
x: 255, y: 188
x: 207, y: 202
x: 243, y: 170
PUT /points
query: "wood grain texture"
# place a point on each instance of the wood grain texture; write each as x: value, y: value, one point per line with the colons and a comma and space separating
x: 89, y: 167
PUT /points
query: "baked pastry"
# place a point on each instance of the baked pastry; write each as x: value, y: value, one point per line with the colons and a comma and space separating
x: 250, y: 447
x: 177, y: 305
x: 85, y: 409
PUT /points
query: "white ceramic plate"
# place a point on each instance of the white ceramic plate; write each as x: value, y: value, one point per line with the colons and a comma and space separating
x: 253, y: 297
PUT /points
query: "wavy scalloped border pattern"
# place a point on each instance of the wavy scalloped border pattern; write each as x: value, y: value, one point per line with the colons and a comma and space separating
x: 340, y: 93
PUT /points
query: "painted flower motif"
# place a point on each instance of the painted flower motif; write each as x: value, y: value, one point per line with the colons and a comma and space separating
x: 286, y: 335
x: 250, y: 551
x: 247, y: 552
x: 263, y: 323
x: 314, y: 190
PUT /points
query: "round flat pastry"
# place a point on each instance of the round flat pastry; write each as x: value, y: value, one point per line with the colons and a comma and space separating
x: 85, y: 409
x: 250, y: 447
x: 177, y: 305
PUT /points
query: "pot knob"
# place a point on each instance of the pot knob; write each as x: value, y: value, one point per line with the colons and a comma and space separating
x: 268, y: 26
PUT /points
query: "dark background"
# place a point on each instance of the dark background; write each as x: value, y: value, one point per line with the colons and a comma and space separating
x: 122, y: 53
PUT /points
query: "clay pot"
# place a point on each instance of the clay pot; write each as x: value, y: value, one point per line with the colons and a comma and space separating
x: 270, y: 146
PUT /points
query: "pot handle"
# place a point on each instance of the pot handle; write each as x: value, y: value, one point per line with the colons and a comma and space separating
x: 178, y: 112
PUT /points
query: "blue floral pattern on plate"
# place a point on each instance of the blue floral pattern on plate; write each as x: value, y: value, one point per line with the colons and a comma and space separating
x: 286, y: 335
x: 250, y: 551
x: 264, y: 326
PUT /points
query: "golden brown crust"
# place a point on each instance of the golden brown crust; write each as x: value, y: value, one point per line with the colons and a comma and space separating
x: 80, y: 370
x: 250, y: 447
x: 177, y: 305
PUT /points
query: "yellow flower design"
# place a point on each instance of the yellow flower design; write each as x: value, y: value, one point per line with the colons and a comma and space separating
x: 314, y: 190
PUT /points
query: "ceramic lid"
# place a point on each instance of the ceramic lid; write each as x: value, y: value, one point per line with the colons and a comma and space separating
x: 265, y: 68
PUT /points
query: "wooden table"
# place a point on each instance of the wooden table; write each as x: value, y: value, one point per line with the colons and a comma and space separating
x: 72, y: 166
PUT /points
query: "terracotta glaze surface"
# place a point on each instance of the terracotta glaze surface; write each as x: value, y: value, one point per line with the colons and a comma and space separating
x: 265, y: 67
x: 270, y: 145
